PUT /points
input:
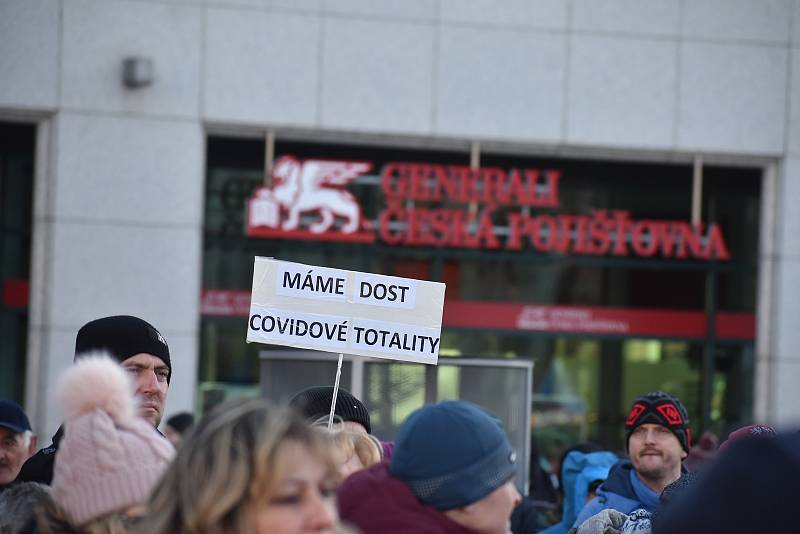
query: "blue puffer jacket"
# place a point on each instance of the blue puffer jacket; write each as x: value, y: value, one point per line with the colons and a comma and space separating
x: 622, y: 491
x: 578, y: 471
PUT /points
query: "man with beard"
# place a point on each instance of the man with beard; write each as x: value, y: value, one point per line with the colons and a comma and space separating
x: 143, y: 353
x: 658, y: 440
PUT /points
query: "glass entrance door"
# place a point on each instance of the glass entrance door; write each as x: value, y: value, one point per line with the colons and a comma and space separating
x: 16, y: 200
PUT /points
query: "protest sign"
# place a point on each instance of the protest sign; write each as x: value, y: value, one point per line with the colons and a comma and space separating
x: 343, y: 311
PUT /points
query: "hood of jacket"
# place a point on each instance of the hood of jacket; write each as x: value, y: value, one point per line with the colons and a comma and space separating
x: 618, y: 482
x: 578, y: 472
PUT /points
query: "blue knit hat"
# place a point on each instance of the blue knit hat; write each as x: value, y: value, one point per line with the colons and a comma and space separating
x: 452, y: 454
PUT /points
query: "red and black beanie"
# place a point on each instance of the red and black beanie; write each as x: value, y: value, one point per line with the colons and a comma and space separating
x: 663, y: 409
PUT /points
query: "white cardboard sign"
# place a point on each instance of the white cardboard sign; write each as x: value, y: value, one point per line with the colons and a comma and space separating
x: 342, y: 311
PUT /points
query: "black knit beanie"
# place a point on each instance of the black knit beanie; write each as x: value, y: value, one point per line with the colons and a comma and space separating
x: 315, y: 403
x: 661, y: 409
x: 122, y: 336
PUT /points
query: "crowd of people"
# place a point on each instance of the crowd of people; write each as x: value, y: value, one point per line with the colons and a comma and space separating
x: 249, y: 467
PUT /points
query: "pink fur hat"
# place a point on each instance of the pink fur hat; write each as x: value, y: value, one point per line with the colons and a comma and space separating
x: 109, y: 459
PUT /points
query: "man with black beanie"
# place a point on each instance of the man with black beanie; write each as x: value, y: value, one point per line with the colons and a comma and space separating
x: 141, y: 350
x: 314, y: 404
x: 658, y: 440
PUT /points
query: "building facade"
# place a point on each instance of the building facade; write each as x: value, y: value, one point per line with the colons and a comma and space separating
x: 672, y: 130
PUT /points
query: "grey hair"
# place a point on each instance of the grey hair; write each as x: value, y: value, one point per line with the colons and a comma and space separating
x: 26, y: 438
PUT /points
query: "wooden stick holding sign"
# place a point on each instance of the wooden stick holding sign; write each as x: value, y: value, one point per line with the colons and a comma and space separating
x: 340, y: 311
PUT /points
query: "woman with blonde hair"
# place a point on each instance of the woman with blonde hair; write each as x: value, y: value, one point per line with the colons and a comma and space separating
x: 247, y: 468
x: 354, y: 451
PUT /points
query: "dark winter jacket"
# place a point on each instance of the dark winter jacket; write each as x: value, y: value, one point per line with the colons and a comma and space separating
x: 39, y: 467
x: 525, y: 518
x: 378, y: 503
x: 750, y: 487
x: 622, y: 491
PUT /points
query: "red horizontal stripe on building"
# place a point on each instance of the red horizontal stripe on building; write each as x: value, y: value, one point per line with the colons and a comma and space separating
x: 515, y: 316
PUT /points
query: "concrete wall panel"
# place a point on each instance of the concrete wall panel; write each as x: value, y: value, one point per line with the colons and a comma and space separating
x: 418, y: 10
x: 99, y: 34
x: 107, y: 269
x: 261, y: 67
x: 29, y: 53
x: 377, y: 75
x: 621, y: 91
x: 544, y: 14
x: 740, y: 20
x: 129, y: 170
x: 627, y: 17
x: 732, y: 98
x: 500, y: 84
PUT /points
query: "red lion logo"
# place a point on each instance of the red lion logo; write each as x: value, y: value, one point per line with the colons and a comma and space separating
x: 311, y: 186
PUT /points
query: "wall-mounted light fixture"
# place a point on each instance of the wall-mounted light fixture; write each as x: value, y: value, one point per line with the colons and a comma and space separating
x: 137, y: 72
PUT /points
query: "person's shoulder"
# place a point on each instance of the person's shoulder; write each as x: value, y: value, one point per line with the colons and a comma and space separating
x: 365, y: 486
x: 375, y: 501
x: 39, y: 467
x: 622, y: 501
x: 525, y: 518
x: 597, y: 504
x: 618, y: 481
x: 623, y: 465
x: 757, y: 475
x: 607, y: 498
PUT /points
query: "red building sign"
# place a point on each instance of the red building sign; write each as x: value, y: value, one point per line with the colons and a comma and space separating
x: 463, y: 207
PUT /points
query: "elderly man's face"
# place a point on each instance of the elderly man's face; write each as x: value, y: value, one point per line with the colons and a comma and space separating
x: 150, y: 376
x: 15, y: 448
